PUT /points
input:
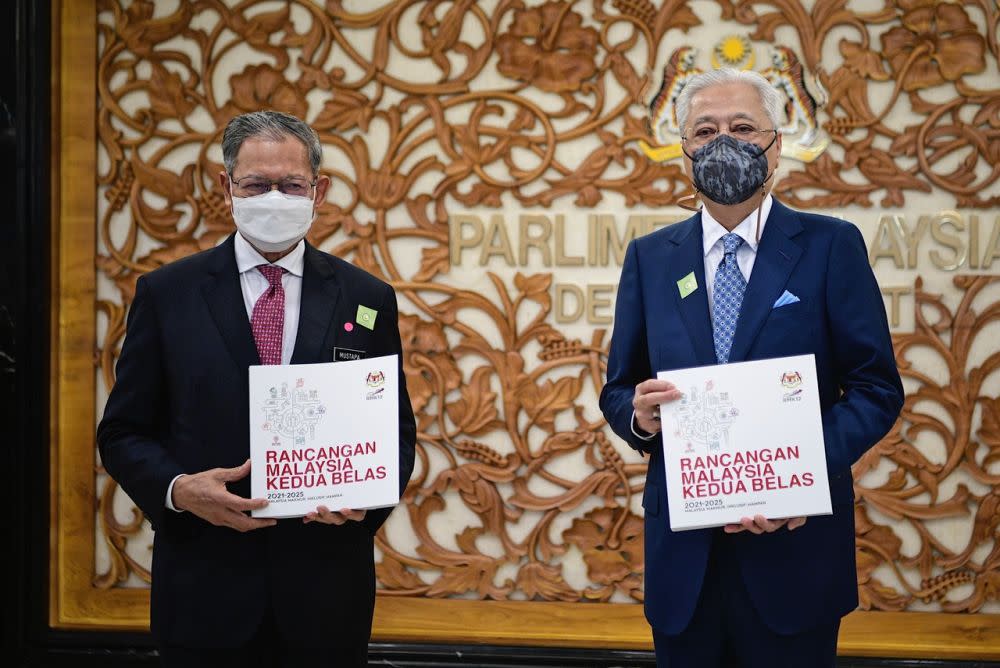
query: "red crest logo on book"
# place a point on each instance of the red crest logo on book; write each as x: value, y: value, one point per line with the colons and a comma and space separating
x: 376, y: 379
x: 791, y: 380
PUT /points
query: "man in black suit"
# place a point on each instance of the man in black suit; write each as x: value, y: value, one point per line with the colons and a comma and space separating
x: 230, y: 589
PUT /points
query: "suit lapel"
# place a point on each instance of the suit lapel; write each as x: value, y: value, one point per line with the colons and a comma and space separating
x: 320, y: 293
x: 777, y: 256
x: 224, y: 296
x: 690, y: 257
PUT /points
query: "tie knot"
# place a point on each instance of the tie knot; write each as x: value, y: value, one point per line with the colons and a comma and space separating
x: 272, y: 273
x: 730, y: 242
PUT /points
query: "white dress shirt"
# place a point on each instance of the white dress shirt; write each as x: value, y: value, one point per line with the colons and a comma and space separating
x: 253, y: 285
x: 712, y: 232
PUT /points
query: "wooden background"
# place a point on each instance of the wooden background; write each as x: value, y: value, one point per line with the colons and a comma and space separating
x: 522, y: 523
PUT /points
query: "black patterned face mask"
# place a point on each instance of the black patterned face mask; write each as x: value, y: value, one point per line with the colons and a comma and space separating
x: 729, y: 171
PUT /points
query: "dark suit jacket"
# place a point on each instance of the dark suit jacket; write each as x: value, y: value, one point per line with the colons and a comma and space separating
x: 179, y: 405
x: 796, y: 579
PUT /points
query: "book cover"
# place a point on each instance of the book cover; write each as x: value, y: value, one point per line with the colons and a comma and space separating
x: 745, y: 439
x: 324, y: 434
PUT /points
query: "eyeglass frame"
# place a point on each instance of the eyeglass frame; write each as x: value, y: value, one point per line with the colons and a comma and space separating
x: 271, y: 183
x: 717, y: 131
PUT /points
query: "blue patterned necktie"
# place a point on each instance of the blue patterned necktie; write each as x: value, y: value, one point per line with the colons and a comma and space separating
x: 729, y: 288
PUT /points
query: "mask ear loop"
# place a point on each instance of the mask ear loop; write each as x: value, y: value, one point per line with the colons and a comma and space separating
x: 760, y: 207
x: 693, y: 197
x: 763, y: 192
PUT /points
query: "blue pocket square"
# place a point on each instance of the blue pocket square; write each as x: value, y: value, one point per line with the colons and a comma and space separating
x: 785, y: 299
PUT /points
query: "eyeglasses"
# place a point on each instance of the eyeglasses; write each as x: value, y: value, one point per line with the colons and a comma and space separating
x: 255, y: 185
x: 703, y: 134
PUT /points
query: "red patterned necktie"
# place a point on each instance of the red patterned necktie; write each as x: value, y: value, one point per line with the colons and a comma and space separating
x: 268, y: 319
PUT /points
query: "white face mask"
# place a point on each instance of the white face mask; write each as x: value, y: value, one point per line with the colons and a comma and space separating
x: 273, y: 221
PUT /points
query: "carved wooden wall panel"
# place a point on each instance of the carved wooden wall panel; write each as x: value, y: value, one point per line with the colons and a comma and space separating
x: 432, y: 108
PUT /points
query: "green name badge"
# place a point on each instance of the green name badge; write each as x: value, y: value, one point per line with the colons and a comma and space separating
x: 687, y: 285
x: 366, y: 317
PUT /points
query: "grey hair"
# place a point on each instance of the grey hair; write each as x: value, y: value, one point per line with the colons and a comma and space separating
x: 273, y: 125
x: 769, y: 96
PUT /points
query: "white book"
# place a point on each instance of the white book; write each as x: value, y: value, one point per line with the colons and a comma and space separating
x: 745, y: 439
x: 324, y: 434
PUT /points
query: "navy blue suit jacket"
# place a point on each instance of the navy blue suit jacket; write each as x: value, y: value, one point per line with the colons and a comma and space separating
x: 179, y: 405
x: 796, y: 579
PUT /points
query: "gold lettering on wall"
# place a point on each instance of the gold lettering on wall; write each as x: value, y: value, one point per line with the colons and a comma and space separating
x: 895, y: 293
x: 610, y: 245
x: 496, y: 242
x: 465, y: 231
x: 599, y: 303
x: 912, y: 238
x: 562, y: 258
x: 941, y: 234
x: 570, y: 303
x: 950, y: 241
x: 992, y: 251
x: 538, y: 240
x: 886, y: 242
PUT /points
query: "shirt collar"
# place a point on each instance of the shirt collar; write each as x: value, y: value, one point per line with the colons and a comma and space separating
x: 712, y: 230
x: 248, y: 258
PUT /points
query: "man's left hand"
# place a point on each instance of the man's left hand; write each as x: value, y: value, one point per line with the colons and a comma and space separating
x: 760, y: 524
x: 327, y: 516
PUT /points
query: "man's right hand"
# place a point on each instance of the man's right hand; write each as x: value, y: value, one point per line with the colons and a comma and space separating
x: 205, y: 495
x: 649, y: 394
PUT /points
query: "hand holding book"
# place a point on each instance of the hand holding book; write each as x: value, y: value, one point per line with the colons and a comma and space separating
x: 760, y: 524
x: 326, y: 516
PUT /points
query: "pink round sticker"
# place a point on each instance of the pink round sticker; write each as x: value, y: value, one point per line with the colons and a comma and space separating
x: 348, y: 327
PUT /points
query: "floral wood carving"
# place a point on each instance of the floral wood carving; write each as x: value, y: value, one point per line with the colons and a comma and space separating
x: 427, y: 107
x: 914, y: 491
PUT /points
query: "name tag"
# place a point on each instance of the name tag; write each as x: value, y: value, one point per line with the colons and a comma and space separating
x: 347, y: 355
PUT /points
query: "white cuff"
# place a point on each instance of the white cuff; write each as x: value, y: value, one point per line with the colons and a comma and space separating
x: 170, y: 494
x: 636, y: 430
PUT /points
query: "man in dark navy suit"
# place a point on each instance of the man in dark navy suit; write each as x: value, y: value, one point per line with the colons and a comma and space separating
x: 229, y: 589
x: 769, y: 282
